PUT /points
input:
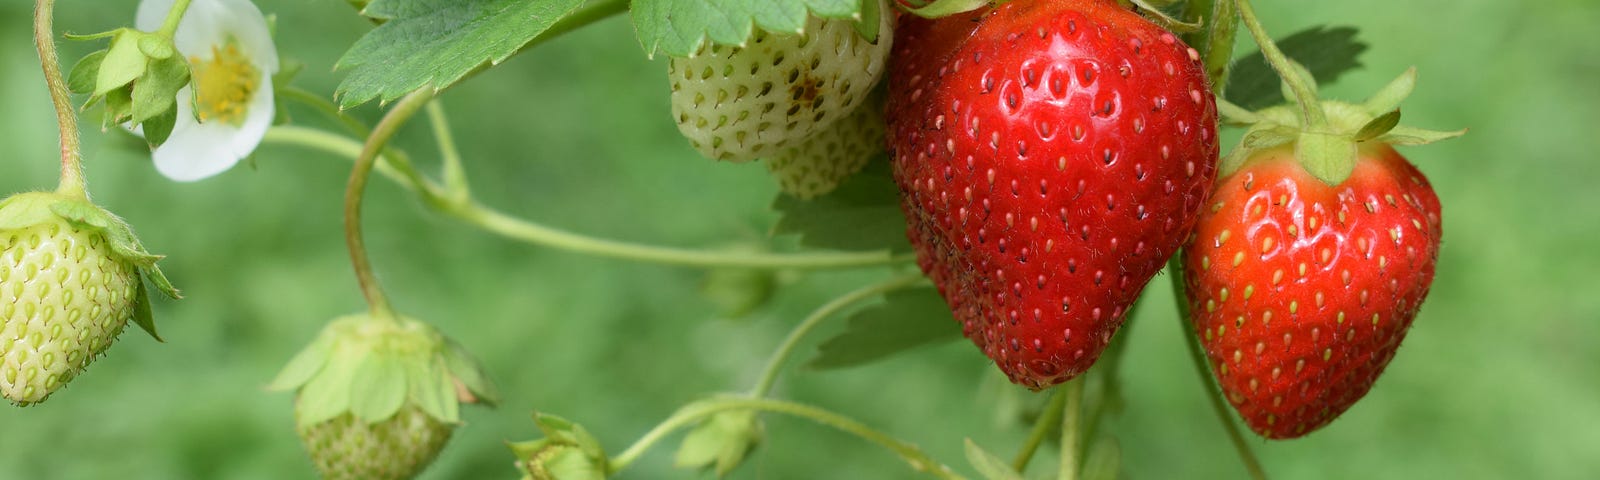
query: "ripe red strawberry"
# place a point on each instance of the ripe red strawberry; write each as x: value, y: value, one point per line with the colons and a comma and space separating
x: 1050, y: 156
x: 1315, y: 254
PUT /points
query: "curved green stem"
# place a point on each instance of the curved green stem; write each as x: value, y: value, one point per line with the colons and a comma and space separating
x: 1213, y: 393
x: 514, y: 228
x: 769, y: 375
x: 71, y: 158
x: 1071, y: 415
x: 174, y: 17
x: 455, y: 175
x: 692, y: 413
x: 1048, y: 419
x: 397, y: 116
x: 1304, y: 94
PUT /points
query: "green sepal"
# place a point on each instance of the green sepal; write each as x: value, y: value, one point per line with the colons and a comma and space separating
x: 1378, y: 126
x: 327, y: 394
x: 870, y: 20
x: 573, y: 465
x: 567, y: 452
x: 119, y: 107
x: 431, y: 390
x: 466, y: 369
x: 158, y: 128
x: 1331, y: 158
x: 156, y: 92
x: 379, y: 387
x: 141, y: 312
x: 303, y: 366
x: 1389, y: 97
x: 1403, y: 135
x: 84, y: 74
x: 945, y: 8
x: 157, y: 47
x: 566, y: 432
x: 124, y: 62
x: 124, y: 244
x: 988, y: 465
x: 721, y: 442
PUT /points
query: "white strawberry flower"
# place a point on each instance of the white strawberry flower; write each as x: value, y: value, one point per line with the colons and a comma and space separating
x: 228, y: 106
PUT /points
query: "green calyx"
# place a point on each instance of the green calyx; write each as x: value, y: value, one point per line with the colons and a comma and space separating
x: 371, y: 369
x: 1326, y: 134
x: 721, y: 442
x: 26, y: 210
x: 138, y: 77
x: 567, y: 452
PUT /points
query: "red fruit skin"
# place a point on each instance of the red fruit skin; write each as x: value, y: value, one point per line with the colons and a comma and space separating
x: 1050, y: 157
x: 1301, y: 291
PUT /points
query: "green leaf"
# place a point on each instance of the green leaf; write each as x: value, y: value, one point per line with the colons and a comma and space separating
x: 907, y: 319
x: 862, y: 214
x: 434, y: 43
x: 85, y: 73
x: 1327, y: 52
x: 678, y: 28
x: 467, y: 370
x: 378, y: 389
x: 303, y: 366
x: 988, y: 465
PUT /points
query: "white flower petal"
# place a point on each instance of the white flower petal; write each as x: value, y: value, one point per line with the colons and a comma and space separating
x: 262, y: 111
x: 196, y: 151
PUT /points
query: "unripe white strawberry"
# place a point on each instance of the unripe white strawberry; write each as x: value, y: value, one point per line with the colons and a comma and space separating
x: 816, y: 165
x: 739, y: 103
x: 379, y: 397
x: 69, y: 283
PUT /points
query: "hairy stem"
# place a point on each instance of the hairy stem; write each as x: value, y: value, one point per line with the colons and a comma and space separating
x: 1202, y: 368
x: 174, y: 17
x: 1048, y: 420
x: 1071, y: 423
x: 71, y: 159
x: 391, y: 123
x: 1305, y: 95
x: 769, y: 376
x: 503, y: 224
x: 695, y: 412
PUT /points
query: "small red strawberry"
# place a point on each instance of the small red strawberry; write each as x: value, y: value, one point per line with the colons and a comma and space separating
x: 1311, y: 262
x: 1050, y: 156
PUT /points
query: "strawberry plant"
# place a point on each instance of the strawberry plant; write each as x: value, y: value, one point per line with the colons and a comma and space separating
x: 1014, y: 172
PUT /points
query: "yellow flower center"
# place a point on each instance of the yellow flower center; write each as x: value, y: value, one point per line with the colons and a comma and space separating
x: 223, y: 85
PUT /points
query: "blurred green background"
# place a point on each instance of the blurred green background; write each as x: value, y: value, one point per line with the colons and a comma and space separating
x: 1499, y: 378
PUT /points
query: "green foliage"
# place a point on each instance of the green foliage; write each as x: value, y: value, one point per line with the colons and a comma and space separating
x: 679, y: 27
x: 1328, y: 52
x: 862, y: 214
x: 435, y: 43
x: 907, y: 319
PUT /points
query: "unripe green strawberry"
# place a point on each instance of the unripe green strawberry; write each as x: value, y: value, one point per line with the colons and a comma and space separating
x: 816, y: 165
x: 69, y: 283
x: 378, y: 397
x: 739, y: 103
x: 348, y: 448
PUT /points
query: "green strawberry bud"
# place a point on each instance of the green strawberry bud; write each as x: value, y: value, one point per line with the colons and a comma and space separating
x: 567, y: 452
x: 377, y: 399
x: 69, y: 283
x: 720, y: 442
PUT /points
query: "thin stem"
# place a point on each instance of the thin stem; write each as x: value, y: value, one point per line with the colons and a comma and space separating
x: 514, y: 228
x: 1306, y: 96
x: 1048, y: 419
x: 326, y: 108
x: 455, y: 175
x: 397, y: 116
x: 695, y: 412
x: 1213, y: 393
x: 174, y: 17
x: 71, y: 160
x: 769, y: 375
x: 1071, y: 422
